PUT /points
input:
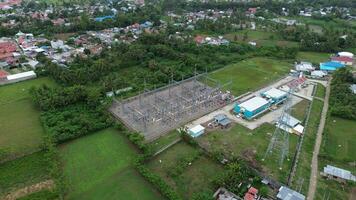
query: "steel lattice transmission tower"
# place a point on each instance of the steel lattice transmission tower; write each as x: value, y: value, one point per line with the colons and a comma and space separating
x: 279, y: 144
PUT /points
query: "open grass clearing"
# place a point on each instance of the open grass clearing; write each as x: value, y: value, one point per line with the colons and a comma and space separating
x: 164, y: 140
x: 299, y: 110
x: 320, y: 91
x: 21, y: 130
x: 22, y: 172
x: 313, y: 57
x: 262, y: 38
x: 250, y: 145
x: 251, y: 74
x: 18, y: 91
x: 196, y: 177
x: 98, y: 166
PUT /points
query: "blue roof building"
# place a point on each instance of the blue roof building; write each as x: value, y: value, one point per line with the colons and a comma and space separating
x: 100, y: 19
x: 252, y: 107
x: 331, y: 66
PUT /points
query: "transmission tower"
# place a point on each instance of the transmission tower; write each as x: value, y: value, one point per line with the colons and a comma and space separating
x: 279, y: 144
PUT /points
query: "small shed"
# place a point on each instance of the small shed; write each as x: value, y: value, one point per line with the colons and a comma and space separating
x: 338, y: 173
x: 286, y: 193
x: 196, y: 131
x: 222, y: 120
x: 318, y: 74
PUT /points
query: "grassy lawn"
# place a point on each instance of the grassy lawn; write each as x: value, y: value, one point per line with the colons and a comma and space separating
x: 164, y: 140
x: 303, y: 168
x: 196, y: 177
x: 251, y: 74
x: 313, y: 57
x: 262, y: 38
x: 22, y: 172
x: 100, y: 166
x: 18, y: 91
x: 21, y: 130
x: 299, y: 110
x: 251, y: 145
x: 320, y: 91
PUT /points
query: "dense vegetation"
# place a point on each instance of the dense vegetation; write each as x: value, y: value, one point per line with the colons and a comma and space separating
x: 342, y: 100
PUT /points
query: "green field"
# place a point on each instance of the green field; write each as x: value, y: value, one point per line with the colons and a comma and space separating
x: 164, y: 140
x: 299, y: 110
x: 251, y: 74
x: 303, y: 169
x: 18, y: 91
x: 313, y: 57
x: 196, y: 178
x: 320, y: 91
x: 22, y: 172
x: 262, y: 38
x: 250, y: 145
x: 21, y: 130
x: 100, y: 166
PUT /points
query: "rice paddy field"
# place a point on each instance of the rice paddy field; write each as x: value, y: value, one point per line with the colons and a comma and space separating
x: 251, y: 74
x: 21, y: 131
x: 100, y: 166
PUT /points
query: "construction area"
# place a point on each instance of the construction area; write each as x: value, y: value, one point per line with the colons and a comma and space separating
x: 154, y: 113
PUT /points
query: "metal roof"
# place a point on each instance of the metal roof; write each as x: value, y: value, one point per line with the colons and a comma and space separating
x: 254, y: 103
x: 275, y: 93
x: 290, y: 121
x: 338, y: 172
x: 197, y: 129
x: 21, y: 75
x: 289, y: 194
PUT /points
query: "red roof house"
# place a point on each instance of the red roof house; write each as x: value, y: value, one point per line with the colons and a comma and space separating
x: 3, y: 74
x: 249, y: 196
x: 252, y: 10
x: 199, y: 39
x: 343, y: 59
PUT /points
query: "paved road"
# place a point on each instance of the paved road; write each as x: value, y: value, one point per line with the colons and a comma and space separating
x: 314, y: 166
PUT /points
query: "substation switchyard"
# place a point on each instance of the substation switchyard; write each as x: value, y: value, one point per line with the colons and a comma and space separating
x: 154, y: 113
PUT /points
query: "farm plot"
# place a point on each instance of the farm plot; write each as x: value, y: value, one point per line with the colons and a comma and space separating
x: 21, y: 131
x: 250, y: 145
x: 251, y: 74
x: 100, y: 166
x: 186, y: 170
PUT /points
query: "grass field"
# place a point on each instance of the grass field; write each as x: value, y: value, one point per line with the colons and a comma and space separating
x: 262, y: 38
x: 299, y: 110
x: 251, y: 145
x: 21, y: 130
x: 100, y: 166
x: 164, y: 140
x: 313, y: 57
x: 197, y: 177
x: 23, y: 172
x: 251, y: 74
x: 320, y: 91
x: 18, y: 91
x: 303, y: 169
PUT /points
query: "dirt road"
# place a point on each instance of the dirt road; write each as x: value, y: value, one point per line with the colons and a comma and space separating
x: 314, y: 166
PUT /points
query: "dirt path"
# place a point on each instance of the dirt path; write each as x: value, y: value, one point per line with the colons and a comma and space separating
x: 314, y: 164
x: 48, y: 184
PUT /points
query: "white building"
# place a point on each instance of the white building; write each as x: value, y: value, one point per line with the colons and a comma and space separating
x: 304, y: 66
